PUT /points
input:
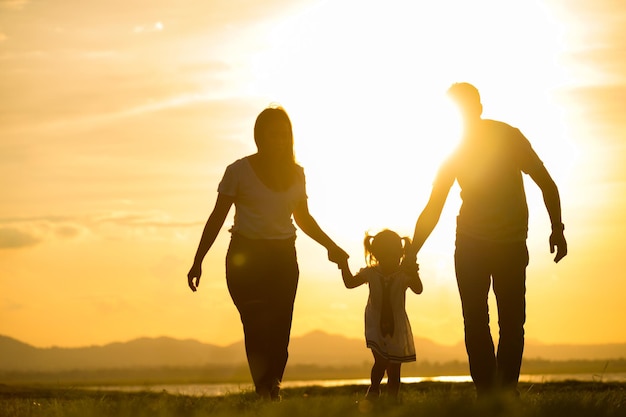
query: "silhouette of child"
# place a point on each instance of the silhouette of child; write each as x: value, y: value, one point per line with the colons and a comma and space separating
x: 387, y: 329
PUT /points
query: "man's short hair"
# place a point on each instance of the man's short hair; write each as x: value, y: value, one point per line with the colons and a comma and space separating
x: 467, y: 97
x: 464, y: 92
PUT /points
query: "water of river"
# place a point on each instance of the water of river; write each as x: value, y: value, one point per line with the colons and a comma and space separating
x: 212, y: 390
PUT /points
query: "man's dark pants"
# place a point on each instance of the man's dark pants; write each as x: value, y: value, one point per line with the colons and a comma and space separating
x: 478, y: 263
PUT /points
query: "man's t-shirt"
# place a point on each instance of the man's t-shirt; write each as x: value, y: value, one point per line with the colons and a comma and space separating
x: 488, y: 166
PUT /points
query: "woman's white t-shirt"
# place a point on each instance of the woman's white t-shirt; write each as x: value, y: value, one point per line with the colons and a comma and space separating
x: 260, y: 212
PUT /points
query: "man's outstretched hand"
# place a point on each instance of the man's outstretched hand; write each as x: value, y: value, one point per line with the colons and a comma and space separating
x: 558, y: 242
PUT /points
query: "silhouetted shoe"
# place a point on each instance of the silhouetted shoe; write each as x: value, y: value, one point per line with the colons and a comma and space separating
x: 394, y: 399
x: 372, y: 394
x: 511, y: 393
x: 485, y: 392
x: 367, y: 404
x: 275, y: 392
x: 264, y: 393
x: 498, y: 395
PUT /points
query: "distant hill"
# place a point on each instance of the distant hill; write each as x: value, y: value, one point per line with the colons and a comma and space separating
x: 330, y: 349
x: 318, y: 348
x: 143, y: 352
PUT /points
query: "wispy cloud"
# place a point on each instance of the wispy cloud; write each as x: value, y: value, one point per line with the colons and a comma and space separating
x: 20, y: 233
x: 605, y: 108
x: 9, y: 305
x: 13, y: 238
x: 141, y: 219
x: 595, y: 37
x: 13, y: 4
x: 148, y: 28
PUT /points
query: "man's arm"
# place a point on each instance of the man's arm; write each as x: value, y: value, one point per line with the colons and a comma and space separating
x: 415, y: 283
x: 429, y: 217
x: 552, y: 200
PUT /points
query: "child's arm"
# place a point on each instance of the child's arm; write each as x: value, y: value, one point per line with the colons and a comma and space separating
x: 415, y: 283
x: 350, y: 281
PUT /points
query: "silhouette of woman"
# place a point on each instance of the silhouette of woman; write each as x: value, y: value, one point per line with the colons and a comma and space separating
x: 267, y: 189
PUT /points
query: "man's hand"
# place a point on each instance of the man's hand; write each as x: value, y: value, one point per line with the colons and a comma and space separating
x: 557, y: 240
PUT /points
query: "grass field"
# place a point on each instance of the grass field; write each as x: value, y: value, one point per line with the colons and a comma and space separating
x: 432, y: 399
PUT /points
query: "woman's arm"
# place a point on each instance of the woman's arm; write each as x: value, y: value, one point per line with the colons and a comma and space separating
x: 308, y: 225
x: 209, y: 234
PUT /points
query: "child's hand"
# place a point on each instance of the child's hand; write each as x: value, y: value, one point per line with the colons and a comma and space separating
x: 343, y: 265
x: 411, y: 268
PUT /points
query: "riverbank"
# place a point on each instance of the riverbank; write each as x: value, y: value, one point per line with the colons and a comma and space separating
x: 217, y: 389
x: 428, y: 398
x: 536, y: 369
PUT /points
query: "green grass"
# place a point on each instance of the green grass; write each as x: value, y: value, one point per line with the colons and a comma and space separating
x: 431, y: 399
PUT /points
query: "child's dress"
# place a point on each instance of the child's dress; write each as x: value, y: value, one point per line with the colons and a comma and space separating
x: 387, y: 327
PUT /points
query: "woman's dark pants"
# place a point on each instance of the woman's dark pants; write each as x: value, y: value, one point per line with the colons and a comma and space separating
x: 262, y: 278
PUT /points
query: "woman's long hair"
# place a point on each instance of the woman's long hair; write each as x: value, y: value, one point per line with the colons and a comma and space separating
x: 282, y: 171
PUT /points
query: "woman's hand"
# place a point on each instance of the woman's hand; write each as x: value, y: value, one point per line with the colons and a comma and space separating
x: 193, y: 277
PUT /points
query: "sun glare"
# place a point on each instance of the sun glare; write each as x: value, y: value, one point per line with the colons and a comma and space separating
x: 367, y: 99
x: 369, y: 111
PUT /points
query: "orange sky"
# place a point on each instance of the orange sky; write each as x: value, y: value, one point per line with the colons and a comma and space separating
x: 118, y: 118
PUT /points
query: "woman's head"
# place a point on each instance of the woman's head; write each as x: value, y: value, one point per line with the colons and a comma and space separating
x: 386, y: 247
x: 273, y: 134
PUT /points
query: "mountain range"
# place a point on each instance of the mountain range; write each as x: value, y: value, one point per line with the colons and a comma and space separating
x: 315, y: 348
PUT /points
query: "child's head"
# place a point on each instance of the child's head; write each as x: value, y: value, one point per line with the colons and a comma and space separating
x: 386, y: 247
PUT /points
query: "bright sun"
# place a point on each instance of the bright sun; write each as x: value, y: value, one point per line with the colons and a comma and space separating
x: 365, y: 87
x: 370, y: 116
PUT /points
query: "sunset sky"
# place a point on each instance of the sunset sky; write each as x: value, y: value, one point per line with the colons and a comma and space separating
x: 118, y: 118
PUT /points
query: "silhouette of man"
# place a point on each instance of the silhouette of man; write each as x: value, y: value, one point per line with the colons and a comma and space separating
x: 491, y: 234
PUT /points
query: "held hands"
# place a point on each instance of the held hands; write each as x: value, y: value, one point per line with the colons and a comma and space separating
x: 557, y: 240
x: 409, y: 262
x: 343, y: 265
x: 338, y: 256
x: 193, y: 277
x: 410, y: 266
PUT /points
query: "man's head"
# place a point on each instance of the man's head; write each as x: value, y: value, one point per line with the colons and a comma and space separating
x: 467, y: 98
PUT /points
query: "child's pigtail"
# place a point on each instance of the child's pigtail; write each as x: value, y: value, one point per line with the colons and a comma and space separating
x: 367, y: 245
